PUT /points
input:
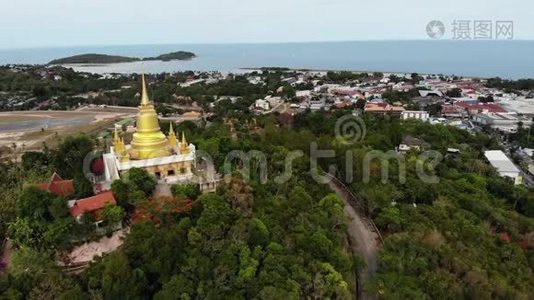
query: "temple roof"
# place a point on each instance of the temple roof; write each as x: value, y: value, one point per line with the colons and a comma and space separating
x: 92, y: 204
x: 57, y: 186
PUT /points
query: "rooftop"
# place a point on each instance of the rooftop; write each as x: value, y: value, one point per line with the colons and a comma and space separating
x: 500, y: 161
x: 57, y: 186
x: 92, y: 204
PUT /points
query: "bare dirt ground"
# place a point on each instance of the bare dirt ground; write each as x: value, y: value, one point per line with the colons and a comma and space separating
x: 87, y: 252
x: 5, y: 256
x: 14, y: 116
x: 363, y: 238
x: 109, y: 109
x: 45, y: 128
x: 162, y: 190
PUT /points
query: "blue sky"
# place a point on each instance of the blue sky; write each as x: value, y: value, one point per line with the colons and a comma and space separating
x: 45, y: 23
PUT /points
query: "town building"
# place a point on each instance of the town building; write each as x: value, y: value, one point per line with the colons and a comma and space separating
x: 507, y: 123
x: 425, y: 93
x: 383, y: 108
x: 262, y: 104
x: 415, y: 114
x: 474, y: 107
x: 92, y: 205
x: 410, y: 143
x: 504, y: 166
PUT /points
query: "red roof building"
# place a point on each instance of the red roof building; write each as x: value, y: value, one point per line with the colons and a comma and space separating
x: 480, y: 107
x: 92, y: 205
x: 343, y: 104
x: 382, y: 107
x: 57, y: 186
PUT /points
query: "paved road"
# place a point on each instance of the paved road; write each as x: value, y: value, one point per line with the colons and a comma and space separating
x: 363, y: 239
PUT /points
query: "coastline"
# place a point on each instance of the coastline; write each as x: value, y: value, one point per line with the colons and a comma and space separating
x: 359, y: 71
x: 508, y: 60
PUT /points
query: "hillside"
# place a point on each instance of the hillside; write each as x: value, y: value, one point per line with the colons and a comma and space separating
x: 179, y: 55
x: 93, y: 58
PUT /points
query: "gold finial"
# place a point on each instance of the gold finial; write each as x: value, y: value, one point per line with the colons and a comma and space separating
x: 118, y: 142
x: 144, y: 94
x: 184, y: 149
x: 172, y: 136
x: 184, y: 141
x: 116, y: 135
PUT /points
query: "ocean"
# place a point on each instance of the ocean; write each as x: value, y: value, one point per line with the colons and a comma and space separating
x: 506, y: 59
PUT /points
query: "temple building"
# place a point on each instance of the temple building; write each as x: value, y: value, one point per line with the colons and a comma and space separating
x: 170, y: 159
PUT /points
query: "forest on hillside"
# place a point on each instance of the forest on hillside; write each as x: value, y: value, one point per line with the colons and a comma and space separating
x: 470, y: 235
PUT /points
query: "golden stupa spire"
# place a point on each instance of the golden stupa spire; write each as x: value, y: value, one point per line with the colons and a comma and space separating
x: 148, y: 141
x: 116, y: 136
x: 184, y: 146
x: 172, y: 136
x: 118, y: 143
x: 144, y: 93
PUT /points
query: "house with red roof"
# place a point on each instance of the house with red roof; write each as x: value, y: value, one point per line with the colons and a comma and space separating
x: 92, y: 205
x: 477, y: 108
x: 57, y: 186
x: 383, y: 108
x: 449, y: 110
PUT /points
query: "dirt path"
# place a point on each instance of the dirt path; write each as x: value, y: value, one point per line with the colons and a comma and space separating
x: 364, y: 239
x: 6, y: 254
x: 162, y: 190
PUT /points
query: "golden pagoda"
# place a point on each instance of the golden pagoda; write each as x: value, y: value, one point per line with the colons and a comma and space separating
x: 176, y: 158
x: 148, y: 142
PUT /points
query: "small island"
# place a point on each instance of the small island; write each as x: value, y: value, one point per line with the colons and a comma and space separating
x: 93, y: 58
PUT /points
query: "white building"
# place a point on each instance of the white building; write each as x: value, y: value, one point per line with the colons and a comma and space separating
x: 504, y: 165
x: 415, y: 114
x: 303, y: 94
x: 273, y: 101
x: 501, y: 121
x: 424, y: 93
x: 262, y: 104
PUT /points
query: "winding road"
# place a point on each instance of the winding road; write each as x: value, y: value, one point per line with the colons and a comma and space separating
x: 363, y: 235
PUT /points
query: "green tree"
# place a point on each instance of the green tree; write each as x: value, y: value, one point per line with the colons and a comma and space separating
x: 190, y: 191
x: 258, y: 233
x: 178, y: 288
x: 120, y: 191
x: 83, y: 188
x: 68, y: 158
x: 33, y: 203
x: 58, y: 208
x: 141, y: 180
x: 112, y: 215
x: 34, y: 160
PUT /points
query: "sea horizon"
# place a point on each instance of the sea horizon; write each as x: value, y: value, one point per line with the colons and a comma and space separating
x: 505, y: 59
